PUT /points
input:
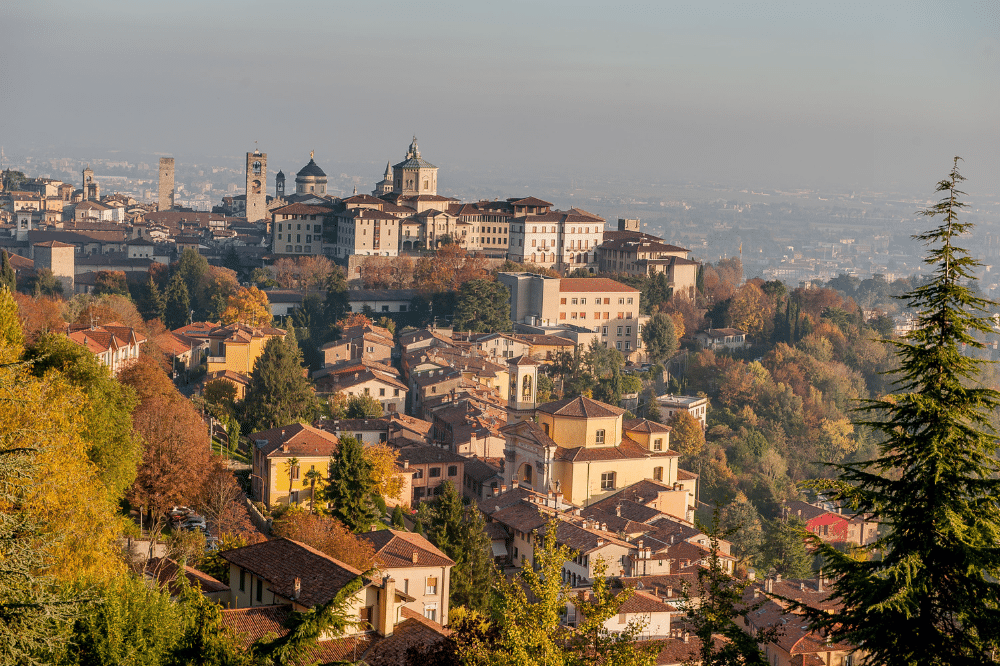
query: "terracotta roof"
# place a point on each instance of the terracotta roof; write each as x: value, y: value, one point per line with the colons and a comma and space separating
x: 529, y: 201
x: 531, y: 431
x: 645, y: 425
x: 629, y: 449
x: 395, y: 549
x: 581, y: 406
x: 522, y: 360
x: 53, y: 244
x: 643, y: 602
x: 480, y: 470
x: 248, y: 625
x: 721, y: 332
x: 281, y: 561
x: 414, y: 631
x: 301, y: 440
x: 594, y: 285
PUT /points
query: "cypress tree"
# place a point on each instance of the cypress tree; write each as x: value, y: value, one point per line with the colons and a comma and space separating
x: 178, y: 306
x: 152, y: 304
x: 8, y: 278
x: 930, y: 592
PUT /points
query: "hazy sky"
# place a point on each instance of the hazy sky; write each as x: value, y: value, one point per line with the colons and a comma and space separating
x: 797, y: 94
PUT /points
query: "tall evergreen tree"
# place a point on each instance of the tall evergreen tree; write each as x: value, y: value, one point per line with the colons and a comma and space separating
x: 930, y: 592
x: 460, y: 532
x: 8, y: 278
x: 350, y: 488
x: 278, y: 393
x: 177, y: 311
x: 151, y: 304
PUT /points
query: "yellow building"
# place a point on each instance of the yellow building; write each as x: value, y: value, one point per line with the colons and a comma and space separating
x: 585, y: 449
x: 237, y: 347
x: 275, y: 479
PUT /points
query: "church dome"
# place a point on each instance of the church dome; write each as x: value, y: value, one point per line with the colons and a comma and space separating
x: 311, y: 169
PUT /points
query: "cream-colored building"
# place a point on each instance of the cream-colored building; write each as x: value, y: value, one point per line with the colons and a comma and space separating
x: 420, y: 570
x: 607, y: 308
x: 298, y: 229
x: 642, y: 254
x: 584, y: 448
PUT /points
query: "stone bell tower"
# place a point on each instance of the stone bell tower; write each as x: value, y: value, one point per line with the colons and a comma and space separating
x: 256, y: 186
x: 523, y: 393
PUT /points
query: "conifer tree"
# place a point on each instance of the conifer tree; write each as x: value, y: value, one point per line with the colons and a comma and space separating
x: 278, y: 393
x: 460, y: 532
x: 929, y: 591
x: 8, y: 278
x: 178, y: 303
x: 350, y: 488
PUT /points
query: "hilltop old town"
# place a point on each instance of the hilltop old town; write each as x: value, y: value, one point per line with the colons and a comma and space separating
x: 344, y: 426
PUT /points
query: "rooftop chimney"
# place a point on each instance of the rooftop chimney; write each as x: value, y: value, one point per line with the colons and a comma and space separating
x: 416, y: 556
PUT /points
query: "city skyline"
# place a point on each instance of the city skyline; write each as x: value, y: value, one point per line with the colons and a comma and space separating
x: 742, y: 95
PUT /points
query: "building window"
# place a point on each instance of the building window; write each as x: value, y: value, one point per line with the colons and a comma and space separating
x: 658, y: 474
x: 243, y: 579
x: 628, y: 330
x: 619, y: 330
x: 599, y: 438
x: 658, y: 444
x: 608, y: 481
x: 432, y: 585
x: 618, y: 345
x: 381, y: 392
x: 418, y: 474
x: 430, y: 612
x: 452, y: 470
x: 435, y: 472
x: 260, y: 590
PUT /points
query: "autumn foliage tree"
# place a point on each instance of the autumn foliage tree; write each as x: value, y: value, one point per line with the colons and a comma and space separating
x: 176, y: 456
x: 326, y: 534
x: 248, y: 306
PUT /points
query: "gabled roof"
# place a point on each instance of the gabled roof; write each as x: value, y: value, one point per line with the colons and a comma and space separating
x: 301, y: 209
x: 581, y: 406
x: 646, y: 426
x: 629, y: 449
x: 281, y: 561
x: 396, y: 549
x: 529, y: 201
x: 301, y: 440
x: 530, y: 431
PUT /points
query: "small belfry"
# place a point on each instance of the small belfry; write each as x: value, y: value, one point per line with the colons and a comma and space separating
x: 521, y: 400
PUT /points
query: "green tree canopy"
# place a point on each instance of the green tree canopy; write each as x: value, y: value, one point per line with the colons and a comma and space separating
x: 177, y: 310
x: 278, y: 393
x: 660, y: 337
x: 363, y: 407
x: 350, y: 487
x: 483, y: 307
x: 107, y: 412
x: 929, y: 594
x: 8, y: 277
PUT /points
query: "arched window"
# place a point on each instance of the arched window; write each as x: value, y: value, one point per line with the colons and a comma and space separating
x: 526, y: 389
x: 256, y: 168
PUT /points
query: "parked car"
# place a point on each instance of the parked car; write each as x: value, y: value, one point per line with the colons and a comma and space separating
x: 195, y: 522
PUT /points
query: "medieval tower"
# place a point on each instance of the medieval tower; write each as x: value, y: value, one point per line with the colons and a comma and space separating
x: 256, y: 186
x: 166, y: 201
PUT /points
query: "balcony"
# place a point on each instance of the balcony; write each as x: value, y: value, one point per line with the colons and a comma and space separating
x: 216, y: 359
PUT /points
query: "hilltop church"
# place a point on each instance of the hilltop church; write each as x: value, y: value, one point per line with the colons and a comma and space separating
x: 585, y: 449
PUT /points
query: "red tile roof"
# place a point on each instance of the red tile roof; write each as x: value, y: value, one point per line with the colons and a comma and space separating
x: 395, y: 549
x: 301, y: 440
x: 581, y: 406
x: 281, y: 561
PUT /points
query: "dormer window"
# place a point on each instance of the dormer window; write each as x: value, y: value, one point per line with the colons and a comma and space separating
x: 599, y: 437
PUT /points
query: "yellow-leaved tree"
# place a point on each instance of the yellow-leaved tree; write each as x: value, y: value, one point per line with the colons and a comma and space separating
x: 64, y: 496
x: 247, y: 306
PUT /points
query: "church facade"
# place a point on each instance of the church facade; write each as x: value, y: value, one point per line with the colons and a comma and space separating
x: 586, y: 449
